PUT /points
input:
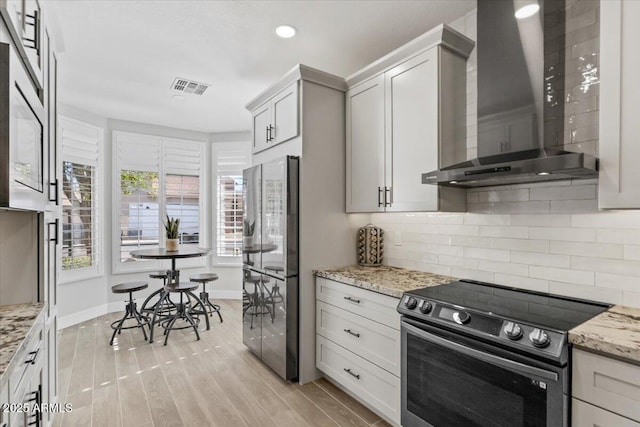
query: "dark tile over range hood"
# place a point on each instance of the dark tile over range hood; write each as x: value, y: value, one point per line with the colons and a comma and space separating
x: 521, y: 101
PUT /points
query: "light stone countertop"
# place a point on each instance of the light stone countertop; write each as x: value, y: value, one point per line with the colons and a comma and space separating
x: 616, y: 332
x: 392, y: 281
x: 16, y: 322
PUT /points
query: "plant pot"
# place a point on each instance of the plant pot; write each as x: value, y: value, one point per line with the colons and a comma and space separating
x: 172, y: 245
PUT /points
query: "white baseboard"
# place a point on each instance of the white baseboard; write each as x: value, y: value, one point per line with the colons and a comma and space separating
x: 113, y: 307
x: 82, y: 316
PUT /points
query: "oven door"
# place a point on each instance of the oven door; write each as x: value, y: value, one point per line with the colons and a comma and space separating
x: 447, y: 381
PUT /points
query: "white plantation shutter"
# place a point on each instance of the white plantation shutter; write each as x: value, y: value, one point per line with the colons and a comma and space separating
x: 230, y: 159
x: 155, y: 176
x: 81, y: 188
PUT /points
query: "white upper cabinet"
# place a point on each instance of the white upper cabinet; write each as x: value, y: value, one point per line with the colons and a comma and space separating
x: 277, y: 119
x: 619, y: 105
x: 365, y: 146
x: 406, y: 115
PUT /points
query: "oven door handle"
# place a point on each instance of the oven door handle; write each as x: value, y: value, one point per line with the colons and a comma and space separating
x: 481, y: 355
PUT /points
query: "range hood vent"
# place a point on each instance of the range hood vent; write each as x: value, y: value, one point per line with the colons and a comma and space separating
x: 189, y: 86
x: 521, y: 102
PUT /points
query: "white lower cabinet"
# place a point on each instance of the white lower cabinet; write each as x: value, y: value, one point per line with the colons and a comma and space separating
x: 358, y: 344
x: 606, y: 392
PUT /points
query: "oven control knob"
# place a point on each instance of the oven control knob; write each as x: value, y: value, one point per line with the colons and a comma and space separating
x: 425, y: 307
x: 539, y: 338
x: 513, y: 331
x: 411, y: 303
x: 461, y: 317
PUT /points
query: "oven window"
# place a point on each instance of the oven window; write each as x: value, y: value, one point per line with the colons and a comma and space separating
x: 27, y: 132
x: 449, y: 389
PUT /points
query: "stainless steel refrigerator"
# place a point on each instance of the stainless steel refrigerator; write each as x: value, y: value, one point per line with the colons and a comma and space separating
x: 270, y: 264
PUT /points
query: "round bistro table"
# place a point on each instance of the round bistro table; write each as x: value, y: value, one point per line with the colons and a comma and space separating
x: 173, y: 274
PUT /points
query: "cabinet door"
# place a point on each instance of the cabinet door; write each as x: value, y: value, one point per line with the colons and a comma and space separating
x: 261, y: 123
x: 619, y: 105
x: 412, y: 136
x: 285, y: 115
x: 585, y: 415
x: 365, y: 146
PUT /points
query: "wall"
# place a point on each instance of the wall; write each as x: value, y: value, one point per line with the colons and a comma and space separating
x: 85, y: 299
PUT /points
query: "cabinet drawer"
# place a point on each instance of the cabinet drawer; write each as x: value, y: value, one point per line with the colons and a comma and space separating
x: 369, y: 304
x: 23, y: 363
x: 586, y: 415
x: 377, y: 343
x: 373, y: 385
x: 607, y: 383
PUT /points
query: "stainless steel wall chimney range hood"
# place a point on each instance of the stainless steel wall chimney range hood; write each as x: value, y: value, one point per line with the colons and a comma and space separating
x: 520, y: 100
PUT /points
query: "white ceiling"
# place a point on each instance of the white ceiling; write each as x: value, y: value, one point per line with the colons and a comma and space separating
x: 121, y: 57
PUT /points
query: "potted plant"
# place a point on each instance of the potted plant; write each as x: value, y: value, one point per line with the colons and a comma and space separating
x: 247, y: 233
x: 171, y: 227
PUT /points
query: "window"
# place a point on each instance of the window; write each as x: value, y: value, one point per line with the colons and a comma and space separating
x: 80, y: 143
x: 156, y: 177
x: 139, y: 211
x: 78, y: 194
x: 230, y: 159
x: 229, y: 208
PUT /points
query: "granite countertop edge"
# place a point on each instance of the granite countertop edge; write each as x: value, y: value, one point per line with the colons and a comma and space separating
x: 615, y: 333
x: 15, y: 345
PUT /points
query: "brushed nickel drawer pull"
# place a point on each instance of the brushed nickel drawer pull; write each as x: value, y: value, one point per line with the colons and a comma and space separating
x: 357, y: 301
x: 350, y: 332
x: 348, y: 371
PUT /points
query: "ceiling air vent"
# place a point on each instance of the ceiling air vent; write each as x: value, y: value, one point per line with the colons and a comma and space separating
x: 189, y: 86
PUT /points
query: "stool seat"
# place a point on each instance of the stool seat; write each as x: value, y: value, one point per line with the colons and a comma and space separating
x: 182, y: 287
x: 276, y: 268
x: 158, y: 274
x: 123, y: 288
x: 204, y: 277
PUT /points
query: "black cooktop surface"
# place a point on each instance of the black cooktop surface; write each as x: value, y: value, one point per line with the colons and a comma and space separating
x: 536, y: 308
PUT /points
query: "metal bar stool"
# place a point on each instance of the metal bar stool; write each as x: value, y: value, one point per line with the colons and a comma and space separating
x: 183, y: 309
x: 256, y: 302
x: 168, y: 305
x: 274, y: 296
x: 209, y: 307
x: 131, y: 309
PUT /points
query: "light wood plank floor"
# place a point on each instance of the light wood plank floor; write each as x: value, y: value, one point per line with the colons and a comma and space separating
x: 212, y: 382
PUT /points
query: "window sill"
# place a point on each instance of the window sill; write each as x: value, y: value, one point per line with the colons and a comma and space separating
x: 78, y: 278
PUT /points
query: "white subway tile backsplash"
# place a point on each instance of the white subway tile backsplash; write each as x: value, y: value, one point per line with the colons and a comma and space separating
x: 522, y: 245
x: 607, y: 220
x: 562, y: 275
x: 611, y: 296
x: 631, y: 299
x: 540, y: 259
x: 432, y: 268
x: 459, y: 230
x: 480, y: 219
x: 632, y: 252
x: 522, y: 282
x: 474, y: 242
x: 489, y: 254
x: 567, y: 234
x: 610, y: 266
x: 550, y: 220
x: 504, y: 267
x: 558, y: 206
x: 572, y: 192
x: 616, y: 281
x: 537, y: 206
x: 600, y: 250
x: 483, y: 276
x: 455, y: 261
x: 504, y: 231
x: 623, y: 236
x: 503, y: 195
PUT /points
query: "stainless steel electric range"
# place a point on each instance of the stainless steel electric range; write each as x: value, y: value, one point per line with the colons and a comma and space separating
x: 478, y: 354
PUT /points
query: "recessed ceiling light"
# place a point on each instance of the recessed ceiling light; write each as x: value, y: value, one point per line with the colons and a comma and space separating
x: 526, y: 8
x: 285, y: 31
x: 178, y: 98
x: 543, y: 173
x: 453, y: 182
